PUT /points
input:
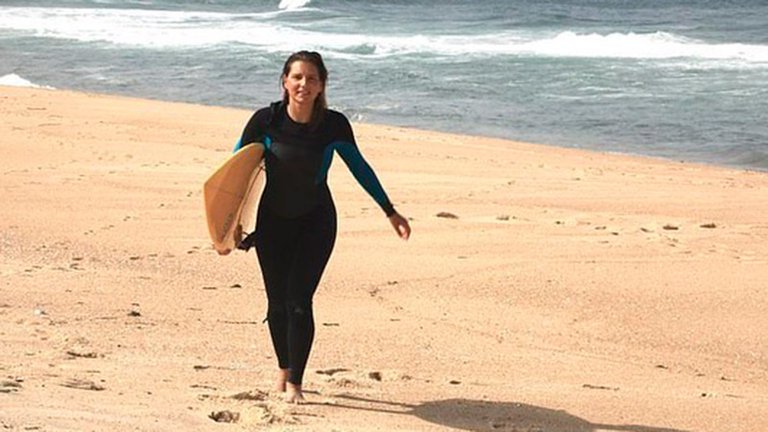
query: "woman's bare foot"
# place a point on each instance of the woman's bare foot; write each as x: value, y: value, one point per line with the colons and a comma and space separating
x: 294, y: 395
x: 282, y: 378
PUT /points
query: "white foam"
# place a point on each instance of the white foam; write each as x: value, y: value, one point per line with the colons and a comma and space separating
x: 14, y: 80
x: 292, y: 4
x: 140, y: 28
x: 658, y: 45
x: 178, y: 29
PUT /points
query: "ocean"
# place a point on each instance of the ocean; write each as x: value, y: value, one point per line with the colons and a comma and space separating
x: 683, y: 80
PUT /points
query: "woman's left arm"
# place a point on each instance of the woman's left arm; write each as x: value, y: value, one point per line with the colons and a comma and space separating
x: 364, y: 175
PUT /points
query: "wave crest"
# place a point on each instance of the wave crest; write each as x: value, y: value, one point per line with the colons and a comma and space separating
x: 267, y: 32
x: 292, y: 4
x: 13, y: 80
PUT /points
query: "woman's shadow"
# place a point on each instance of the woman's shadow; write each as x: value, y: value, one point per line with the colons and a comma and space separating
x: 474, y: 415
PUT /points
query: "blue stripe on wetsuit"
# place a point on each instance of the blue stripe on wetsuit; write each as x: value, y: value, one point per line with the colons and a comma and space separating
x: 239, y: 143
x: 360, y: 169
x: 354, y: 160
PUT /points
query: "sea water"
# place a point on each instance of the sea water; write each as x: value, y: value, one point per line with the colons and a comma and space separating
x: 681, y: 79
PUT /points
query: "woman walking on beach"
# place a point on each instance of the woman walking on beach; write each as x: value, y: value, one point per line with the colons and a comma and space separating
x: 296, y: 222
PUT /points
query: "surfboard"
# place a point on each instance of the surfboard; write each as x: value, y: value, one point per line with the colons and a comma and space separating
x: 231, y: 195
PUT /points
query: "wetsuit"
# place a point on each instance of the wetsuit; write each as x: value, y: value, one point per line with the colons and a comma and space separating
x: 296, y: 221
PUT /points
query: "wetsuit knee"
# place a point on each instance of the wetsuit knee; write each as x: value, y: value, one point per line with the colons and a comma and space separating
x: 276, y: 313
x: 299, y: 309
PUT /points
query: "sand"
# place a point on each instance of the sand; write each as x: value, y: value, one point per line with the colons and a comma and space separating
x: 543, y: 289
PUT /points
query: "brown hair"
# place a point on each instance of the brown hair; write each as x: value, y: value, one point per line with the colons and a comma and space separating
x: 313, y: 58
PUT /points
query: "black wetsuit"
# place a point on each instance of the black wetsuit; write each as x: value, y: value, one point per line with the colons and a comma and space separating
x: 296, y: 222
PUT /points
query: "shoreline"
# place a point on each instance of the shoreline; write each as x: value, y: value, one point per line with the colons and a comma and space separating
x: 483, y: 136
x: 570, y: 290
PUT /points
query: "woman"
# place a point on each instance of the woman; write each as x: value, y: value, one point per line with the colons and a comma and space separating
x: 296, y: 222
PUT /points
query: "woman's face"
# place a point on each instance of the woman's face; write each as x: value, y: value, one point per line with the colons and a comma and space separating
x: 303, y: 83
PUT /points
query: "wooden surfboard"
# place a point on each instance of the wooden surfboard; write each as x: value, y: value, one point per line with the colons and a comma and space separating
x: 231, y: 195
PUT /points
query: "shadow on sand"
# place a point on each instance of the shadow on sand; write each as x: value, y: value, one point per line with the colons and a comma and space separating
x: 474, y: 415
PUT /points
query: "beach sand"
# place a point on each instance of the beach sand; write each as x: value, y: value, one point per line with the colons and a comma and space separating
x: 543, y: 289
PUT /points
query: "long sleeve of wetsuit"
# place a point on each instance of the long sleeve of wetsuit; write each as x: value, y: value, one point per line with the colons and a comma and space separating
x: 364, y: 174
x: 346, y: 147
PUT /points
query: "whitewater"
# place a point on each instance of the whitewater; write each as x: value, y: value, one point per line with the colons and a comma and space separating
x: 684, y: 81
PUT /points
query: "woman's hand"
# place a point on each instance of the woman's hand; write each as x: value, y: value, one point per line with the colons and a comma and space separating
x: 401, y: 226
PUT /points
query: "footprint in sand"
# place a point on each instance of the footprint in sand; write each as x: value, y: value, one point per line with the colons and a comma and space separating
x: 135, y: 310
x: 225, y: 416
x: 33, y: 269
x: 265, y: 409
x: 253, y: 395
x: 83, y: 354
x: 446, y: 215
x: 599, y: 387
x: 10, y: 386
x: 332, y: 371
x: 82, y: 384
x: 349, y: 379
x: 203, y: 386
x: 347, y: 383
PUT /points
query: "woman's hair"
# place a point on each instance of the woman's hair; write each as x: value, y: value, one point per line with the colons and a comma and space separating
x: 314, y: 58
